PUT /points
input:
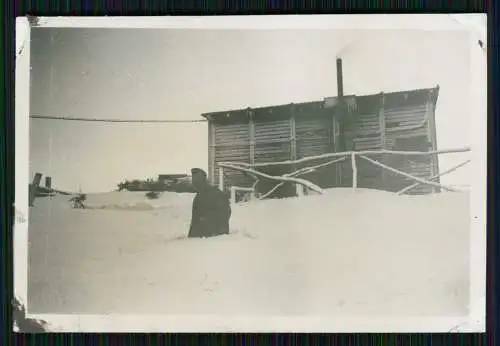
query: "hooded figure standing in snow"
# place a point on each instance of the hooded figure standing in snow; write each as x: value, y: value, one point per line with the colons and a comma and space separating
x: 211, y: 208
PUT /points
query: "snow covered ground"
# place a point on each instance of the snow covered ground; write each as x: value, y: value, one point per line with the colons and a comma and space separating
x: 343, y: 254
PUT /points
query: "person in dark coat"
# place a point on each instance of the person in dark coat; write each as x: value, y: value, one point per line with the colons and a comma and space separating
x: 211, y: 208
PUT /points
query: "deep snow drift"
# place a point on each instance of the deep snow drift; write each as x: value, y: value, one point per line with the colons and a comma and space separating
x: 336, y: 254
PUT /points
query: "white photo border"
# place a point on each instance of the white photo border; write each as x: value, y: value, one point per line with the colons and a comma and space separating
x: 475, y: 322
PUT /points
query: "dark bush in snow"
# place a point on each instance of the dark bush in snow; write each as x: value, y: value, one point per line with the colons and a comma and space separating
x: 152, y: 195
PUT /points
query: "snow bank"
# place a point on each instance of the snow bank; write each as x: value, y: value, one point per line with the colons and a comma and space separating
x: 136, y: 200
x: 336, y: 254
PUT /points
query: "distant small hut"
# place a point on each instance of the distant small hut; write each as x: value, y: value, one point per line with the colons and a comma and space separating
x: 171, y: 178
x: 180, y: 183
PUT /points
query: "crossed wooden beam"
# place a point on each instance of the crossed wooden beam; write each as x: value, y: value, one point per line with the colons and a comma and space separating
x: 292, y: 177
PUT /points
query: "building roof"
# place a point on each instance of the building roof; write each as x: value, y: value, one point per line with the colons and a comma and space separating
x: 365, y: 102
x: 172, y: 176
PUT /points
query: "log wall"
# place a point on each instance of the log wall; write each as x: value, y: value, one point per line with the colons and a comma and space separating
x: 393, y: 121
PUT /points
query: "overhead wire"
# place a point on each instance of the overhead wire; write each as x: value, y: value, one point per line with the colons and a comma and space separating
x: 343, y: 51
x: 19, y: 53
x: 110, y: 120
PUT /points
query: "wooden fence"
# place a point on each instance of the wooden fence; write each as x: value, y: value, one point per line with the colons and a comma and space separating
x: 302, y: 184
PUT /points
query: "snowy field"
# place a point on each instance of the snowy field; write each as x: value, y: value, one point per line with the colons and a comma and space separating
x: 369, y: 253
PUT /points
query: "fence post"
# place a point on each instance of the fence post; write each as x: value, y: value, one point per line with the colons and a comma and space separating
x: 48, y: 182
x: 221, y: 178
x: 354, y: 172
x: 34, y: 188
x: 299, y: 189
x: 233, y: 194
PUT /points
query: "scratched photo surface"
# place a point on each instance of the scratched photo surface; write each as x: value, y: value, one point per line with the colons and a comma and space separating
x: 254, y: 172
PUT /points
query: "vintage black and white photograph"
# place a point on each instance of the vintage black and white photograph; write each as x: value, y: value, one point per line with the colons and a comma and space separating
x: 264, y: 172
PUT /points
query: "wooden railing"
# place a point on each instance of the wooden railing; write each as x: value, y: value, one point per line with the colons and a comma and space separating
x: 340, y: 157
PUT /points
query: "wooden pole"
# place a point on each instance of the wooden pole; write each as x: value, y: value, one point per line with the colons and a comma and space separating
x: 233, y: 194
x: 341, y: 109
x: 431, y: 127
x: 34, y: 187
x: 251, y: 136
x: 382, y: 125
x: 299, y: 189
x: 221, y: 178
x: 211, y: 151
x: 452, y: 169
x: 354, y: 172
x: 293, y: 139
x: 420, y: 180
x: 335, y: 138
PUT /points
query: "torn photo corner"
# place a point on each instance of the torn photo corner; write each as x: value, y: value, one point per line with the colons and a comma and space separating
x: 346, y: 181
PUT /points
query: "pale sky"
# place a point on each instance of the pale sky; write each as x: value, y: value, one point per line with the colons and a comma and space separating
x: 180, y: 74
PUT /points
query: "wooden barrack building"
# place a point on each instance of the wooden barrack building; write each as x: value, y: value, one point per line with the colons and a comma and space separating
x: 402, y: 121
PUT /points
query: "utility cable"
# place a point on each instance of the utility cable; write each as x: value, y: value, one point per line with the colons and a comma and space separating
x: 104, y: 120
